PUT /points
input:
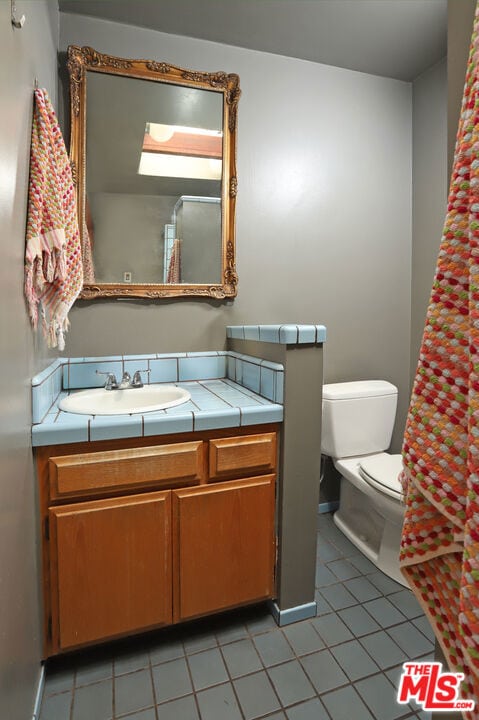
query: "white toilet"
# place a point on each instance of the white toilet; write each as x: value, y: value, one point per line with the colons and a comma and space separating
x: 358, y: 420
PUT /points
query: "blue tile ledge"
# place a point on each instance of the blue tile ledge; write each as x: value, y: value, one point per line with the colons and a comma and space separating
x: 286, y: 334
x: 214, y: 404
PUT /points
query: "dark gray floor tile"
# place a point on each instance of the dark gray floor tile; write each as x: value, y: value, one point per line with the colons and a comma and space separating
x: 241, y: 658
x: 218, y: 703
x: 362, y: 589
x: 198, y: 640
x: 322, y: 607
x: 256, y: 695
x: 362, y: 563
x: 95, y: 702
x: 273, y: 648
x: 409, y: 639
x: 303, y: 638
x: 56, y: 707
x: 323, y: 671
x: 309, y: 710
x: 234, y: 630
x: 331, y: 629
x: 261, y: 623
x: 207, y: 668
x: 343, y: 569
x: 338, y: 596
x: 407, y: 604
x: 394, y: 674
x: 277, y: 716
x: 422, y: 624
x: 324, y: 576
x: 291, y: 683
x: 162, y: 651
x: 345, y: 704
x: 384, y: 583
x: 98, y: 669
x: 423, y: 715
x: 384, y: 612
x: 148, y: 714
x: 130, y: 662
x: 326, y: 551
x: 359, y: 621
x: 383, y: 649
x: 182, y: 709
x: 380, y: 696
x: 171, y: 680
x: 58, y: 681
x: 342, y: 542
x: 354, y: 660
x: 133, y: 692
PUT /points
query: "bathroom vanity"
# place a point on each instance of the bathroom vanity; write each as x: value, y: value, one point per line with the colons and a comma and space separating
x: 143, y: 533
x: 153, y: 518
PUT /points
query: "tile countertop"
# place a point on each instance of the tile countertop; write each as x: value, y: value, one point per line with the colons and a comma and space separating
x: 214, y: 404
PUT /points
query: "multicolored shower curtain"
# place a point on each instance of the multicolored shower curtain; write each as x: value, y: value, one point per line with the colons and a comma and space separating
x: 440, y: 542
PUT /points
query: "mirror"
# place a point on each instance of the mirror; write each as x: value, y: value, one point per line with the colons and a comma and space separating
x: 153, y: 153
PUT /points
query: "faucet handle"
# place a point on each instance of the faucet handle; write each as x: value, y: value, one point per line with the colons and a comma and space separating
x: 111, y: 382
x: 137, y: 381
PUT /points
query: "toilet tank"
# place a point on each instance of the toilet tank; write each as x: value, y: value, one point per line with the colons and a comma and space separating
x: 358, y: 417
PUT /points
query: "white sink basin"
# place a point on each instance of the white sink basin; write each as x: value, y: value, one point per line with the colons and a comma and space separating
x: 124, y: 402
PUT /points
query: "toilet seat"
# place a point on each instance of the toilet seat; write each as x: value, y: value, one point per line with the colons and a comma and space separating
x: 382, y: 471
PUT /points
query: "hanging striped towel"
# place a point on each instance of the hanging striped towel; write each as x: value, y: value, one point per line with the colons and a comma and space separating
x: 174, y: 266
x: 53, y: 260
x: 440, y: 542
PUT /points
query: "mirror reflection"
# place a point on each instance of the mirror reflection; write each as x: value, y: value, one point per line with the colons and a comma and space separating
x: 153, y: 150
x: 153, y: 181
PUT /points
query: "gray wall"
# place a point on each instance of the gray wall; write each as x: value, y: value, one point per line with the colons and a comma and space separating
x: 24, y: 55
x: 430, y: 184
x: 323, y: 212
x: 460, y: 16
x: 132, y: 238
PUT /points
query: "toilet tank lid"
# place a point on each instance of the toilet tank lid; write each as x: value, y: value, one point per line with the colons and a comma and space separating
x: 358, y: 389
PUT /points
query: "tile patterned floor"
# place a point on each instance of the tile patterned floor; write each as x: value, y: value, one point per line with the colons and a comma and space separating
x: 342, y: 665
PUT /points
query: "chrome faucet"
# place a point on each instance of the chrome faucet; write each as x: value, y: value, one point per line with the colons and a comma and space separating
x: 126, y: 381
x: 111, y: 382
x: 137, y: 381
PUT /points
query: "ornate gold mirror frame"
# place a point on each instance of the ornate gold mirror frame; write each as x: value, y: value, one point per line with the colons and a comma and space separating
x: 83, y: 59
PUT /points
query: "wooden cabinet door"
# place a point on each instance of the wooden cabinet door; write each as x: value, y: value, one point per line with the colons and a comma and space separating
x: 110, y: 567
x: 223, y: 545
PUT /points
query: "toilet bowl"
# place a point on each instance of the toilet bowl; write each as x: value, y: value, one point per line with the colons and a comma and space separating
x: 358, y: 419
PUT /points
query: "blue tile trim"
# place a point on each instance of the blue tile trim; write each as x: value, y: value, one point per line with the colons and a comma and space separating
x: 46, y: 372
x: 328, y: 507
x: 286, y: 334
x: 156, y: 424
x: 46, y: 387
x: 112, y: 427
x: 294, y: 614
x: 261, y: 414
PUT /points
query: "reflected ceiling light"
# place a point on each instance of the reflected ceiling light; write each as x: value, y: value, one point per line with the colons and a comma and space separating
x: 180, y: 166
x: 160, y: 133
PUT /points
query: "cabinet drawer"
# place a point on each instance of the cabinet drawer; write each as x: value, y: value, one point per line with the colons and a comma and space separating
x: 99, y: 472
x: 242, y: 455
